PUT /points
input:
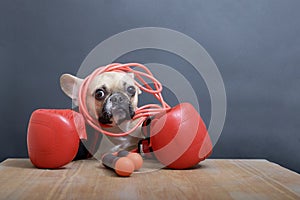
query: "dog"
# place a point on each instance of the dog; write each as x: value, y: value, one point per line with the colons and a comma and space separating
x: 112, y: 99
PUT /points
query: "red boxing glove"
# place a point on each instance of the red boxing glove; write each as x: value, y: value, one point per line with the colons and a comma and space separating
x: 179, y: 138
x: 53, y: 137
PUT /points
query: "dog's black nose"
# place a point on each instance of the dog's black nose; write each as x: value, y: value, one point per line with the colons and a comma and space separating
x: 117, y: 98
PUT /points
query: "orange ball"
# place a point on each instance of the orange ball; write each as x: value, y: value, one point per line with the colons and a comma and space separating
x: 124, y: 166
x: 136, y: 159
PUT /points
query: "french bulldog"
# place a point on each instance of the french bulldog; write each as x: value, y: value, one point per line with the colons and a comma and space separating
x: 112, y: 99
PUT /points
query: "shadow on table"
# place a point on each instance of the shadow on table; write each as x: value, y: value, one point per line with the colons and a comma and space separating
x: 196, y: 167
x: 23, y: 163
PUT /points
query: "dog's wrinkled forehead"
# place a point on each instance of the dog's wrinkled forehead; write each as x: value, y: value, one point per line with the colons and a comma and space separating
x: 111, y: 80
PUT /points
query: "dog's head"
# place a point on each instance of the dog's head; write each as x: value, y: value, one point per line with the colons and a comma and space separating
x: 112, y: 97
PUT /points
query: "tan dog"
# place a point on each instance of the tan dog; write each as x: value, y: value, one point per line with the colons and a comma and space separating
x: 112, y: 99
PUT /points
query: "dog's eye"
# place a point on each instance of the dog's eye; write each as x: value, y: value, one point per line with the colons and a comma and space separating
x: 131, y: 90
x: 99, y: 94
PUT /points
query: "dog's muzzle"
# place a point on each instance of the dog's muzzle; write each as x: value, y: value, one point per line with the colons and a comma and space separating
x: 117, y: 108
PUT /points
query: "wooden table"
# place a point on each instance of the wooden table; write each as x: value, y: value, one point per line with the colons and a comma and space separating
x: 212, y: 179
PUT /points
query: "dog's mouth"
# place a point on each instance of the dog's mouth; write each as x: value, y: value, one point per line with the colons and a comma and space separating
x: 120, y: 115
x: 105, y: 118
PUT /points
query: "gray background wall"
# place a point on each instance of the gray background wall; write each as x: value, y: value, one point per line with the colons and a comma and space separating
x: 255, y: 44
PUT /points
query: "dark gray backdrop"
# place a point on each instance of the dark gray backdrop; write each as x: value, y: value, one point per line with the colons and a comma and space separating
x: 255, y: 44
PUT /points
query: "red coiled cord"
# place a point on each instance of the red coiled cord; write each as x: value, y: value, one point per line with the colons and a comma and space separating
x: 142, y: 112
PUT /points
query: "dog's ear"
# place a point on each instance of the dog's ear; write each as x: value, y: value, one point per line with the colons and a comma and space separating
x: 70, y: 85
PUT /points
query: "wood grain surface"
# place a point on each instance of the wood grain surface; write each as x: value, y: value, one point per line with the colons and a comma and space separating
x: 88, y: 179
